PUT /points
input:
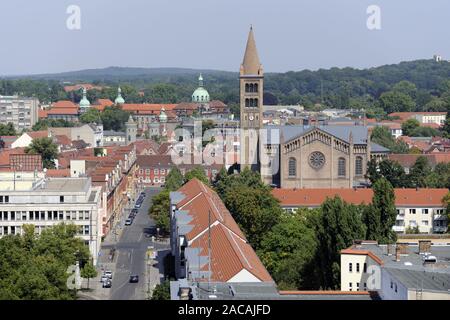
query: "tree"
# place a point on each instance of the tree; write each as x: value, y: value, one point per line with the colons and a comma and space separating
x: 46, y: 148
x: 33, y: 267
x: 383, y: 207
x: 337, y: 226
x: 409, y: 126
x: 92, y: 115
x: 162, y: 291
x: 7, y: 130
x: 394, y: 101
x: 159, y: 211
x: 288, y: 251
x: 198, y: 173
x: 251, y: 204
x: 382, y: 136
x: 419, y: 172
x: 88, y: 272
x: 174, y: 179
x: 388, y: 169
x: 114, y: 118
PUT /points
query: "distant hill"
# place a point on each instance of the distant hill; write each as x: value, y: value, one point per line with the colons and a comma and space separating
x: 113, y: 74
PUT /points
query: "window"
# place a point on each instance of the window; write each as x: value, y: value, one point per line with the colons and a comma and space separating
x: 341, y: 167
x: 357, y: 267
x: 425, y: 222
x: 61, y: 199
x: 147, y: 171
x: 357, y: 286
x: 412, y: 211
x: 350, y: 285
x: 163, y: 171
x: 359, y: 166
x: 350, y: 267
x: 292, y: 167
x: 365, y: 267
x: 424, y: 211
x: 413, y: 223
x: 365, y: 286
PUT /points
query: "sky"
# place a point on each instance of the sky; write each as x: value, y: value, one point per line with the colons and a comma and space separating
x: 291, y: 35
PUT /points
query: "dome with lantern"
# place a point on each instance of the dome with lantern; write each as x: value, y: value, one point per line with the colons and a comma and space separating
x: 200, y: 95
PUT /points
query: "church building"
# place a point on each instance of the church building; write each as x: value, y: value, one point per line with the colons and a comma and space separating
x: 297, y: 156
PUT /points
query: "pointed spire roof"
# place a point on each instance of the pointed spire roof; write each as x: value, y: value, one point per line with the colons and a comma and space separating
x: 251, y: 64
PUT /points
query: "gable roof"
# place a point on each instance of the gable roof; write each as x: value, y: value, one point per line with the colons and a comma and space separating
x: 315, y: 197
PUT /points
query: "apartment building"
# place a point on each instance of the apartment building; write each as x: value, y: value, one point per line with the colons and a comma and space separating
x: 206, y: 242
x: 397, y: 272
x: 29, y: 198
x: 20, y: 111
x: 421, y: 208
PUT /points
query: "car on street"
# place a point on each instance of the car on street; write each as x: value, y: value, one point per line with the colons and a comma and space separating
x: 107, y: 284
x: 143, y: 194
x: 108, y: 274
x: 136, y: 211
x: 104, y: 278
x: 137, y: 205
x: 128, y: 222
x: 134, y: 278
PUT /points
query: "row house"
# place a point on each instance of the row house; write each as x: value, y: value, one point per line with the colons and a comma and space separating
x: 416, y: 208
x: 153, y: 169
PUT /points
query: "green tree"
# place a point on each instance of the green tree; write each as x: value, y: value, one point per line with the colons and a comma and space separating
x: 159, y: 211
x: 409, y: 126
x: 395, y: 101
x: 251, y: 204
x: 174, y: 179
x: 383, y: 207
x: 114, y: 118
x: 46, y: 148
x: 199, y: 173
x: 7, y: 130
x: 288, y: 251
x: 88, y: 272
x: 382, y: 136
x: 91, y: 116
x: 338, y: 225
x: 162, y: 291
x: 388, y: 169
x: 419, y: 172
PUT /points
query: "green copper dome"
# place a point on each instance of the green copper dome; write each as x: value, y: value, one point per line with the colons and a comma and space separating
x: 163, y: 116
x: 200, y: 94
x: 84, y: 102
x: 119, y: 99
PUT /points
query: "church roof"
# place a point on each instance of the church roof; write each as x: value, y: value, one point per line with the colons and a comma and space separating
x: 288, y: 133
x: 251, y: 64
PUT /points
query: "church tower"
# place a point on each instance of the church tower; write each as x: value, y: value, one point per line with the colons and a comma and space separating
x: 251, y: 103
x: 131, y: 130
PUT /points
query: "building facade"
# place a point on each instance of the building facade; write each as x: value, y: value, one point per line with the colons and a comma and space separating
x: 31, y: 199
x: 21, y: 112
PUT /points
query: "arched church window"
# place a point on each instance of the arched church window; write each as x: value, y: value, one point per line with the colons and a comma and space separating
x: 292, y: 167
x: 247, y: 87
x: 251, y: 87
x: 256, y: 87
x: 341, y: 167
x: 359, y: 166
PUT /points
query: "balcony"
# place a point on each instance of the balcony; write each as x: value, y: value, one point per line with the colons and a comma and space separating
x: 399, y: 228
x: 401, y: 217
x: 439, y: 229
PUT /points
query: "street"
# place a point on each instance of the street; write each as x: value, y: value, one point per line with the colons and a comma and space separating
x: 130, y: 258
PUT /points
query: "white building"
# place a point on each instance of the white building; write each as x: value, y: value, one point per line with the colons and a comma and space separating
x: 29, y: 198
x: 21, y: 112
x: 397, y: 272
x: 421, y: 208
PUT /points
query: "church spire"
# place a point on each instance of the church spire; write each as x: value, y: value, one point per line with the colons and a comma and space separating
x: 251, y: 64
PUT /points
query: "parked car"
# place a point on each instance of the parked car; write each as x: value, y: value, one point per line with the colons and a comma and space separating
x: 128, y: 222
x: 108, y: 274
x: 137, y: 205
x: 136, y: 211
x: 104, y: 278
x: 143, y: 194
x: 134, y: 278
x: 107, y: 284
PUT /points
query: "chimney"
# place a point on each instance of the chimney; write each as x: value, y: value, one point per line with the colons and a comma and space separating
x: 424, y: 246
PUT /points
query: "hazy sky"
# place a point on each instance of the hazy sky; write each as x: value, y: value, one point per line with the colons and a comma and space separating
x: 211, y: 34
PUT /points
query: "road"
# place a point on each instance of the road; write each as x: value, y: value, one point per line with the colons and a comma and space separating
x: 131, y: 252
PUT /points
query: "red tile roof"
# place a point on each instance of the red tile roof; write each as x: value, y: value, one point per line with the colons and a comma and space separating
x: 408, y: 160
x: 38, y: 134
x: 63, y: 111
x: 146, y: 108
x: 64, y: 104
x: 355, y: 251
x: 230, y: 252
x: 315, y: 197
x: 42, y: 114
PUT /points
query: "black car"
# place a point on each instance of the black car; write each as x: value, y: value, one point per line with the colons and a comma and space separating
x: 135, y: 211
x: 107, y: 284
x: 143, y: 194
x: 134, y: 279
